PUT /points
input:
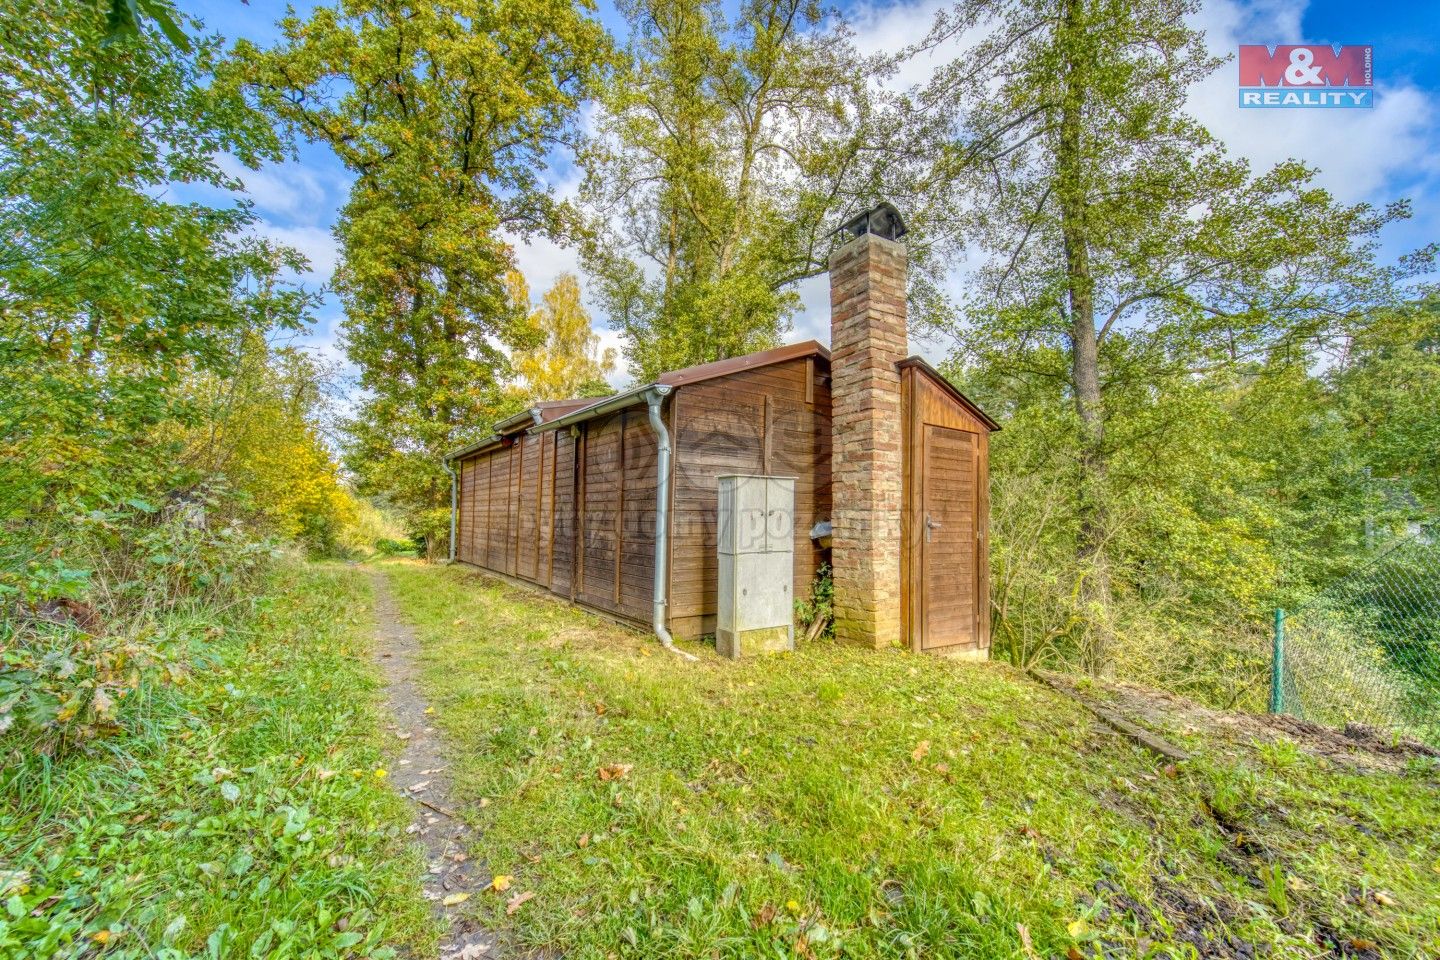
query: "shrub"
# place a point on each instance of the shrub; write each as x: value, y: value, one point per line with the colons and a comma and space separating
x: 110, y: 599
x: 820, y: 605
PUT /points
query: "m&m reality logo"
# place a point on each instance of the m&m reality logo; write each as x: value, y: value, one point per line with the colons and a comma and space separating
x: 1307, y: 75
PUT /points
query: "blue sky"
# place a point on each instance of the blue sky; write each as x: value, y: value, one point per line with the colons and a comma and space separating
x: 1375, y: 156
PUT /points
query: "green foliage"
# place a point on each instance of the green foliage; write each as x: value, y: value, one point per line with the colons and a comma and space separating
x: 724, y: 152
x: 394, y: 548
x: 79, y: 640
x: 1366, y: 648
x: 234, y: 812
x: 1145, y: 315
x: 444, y: 112
x: 1233, y: 491
x: 377, y: 529
x: 1389, y: 390
x: 123, y: 315
x: 820, y: 605
x: 261, y: 428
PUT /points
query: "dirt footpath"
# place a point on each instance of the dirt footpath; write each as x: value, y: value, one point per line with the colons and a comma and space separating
x: 452, y: 878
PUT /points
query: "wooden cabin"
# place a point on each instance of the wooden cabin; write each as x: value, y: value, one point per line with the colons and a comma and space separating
x: 566, y: 495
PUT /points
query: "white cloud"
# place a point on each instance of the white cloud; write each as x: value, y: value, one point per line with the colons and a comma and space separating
x: 295, y: 191
x: 889, y: 29
x: 619, y: 377
x: 1359, y: 153
x: 542, y: 261
x: 318, y: 245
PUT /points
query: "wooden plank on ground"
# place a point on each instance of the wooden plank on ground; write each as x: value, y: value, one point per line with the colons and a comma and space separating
x: 1139, y: 734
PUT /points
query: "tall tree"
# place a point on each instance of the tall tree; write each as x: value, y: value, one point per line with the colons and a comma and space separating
x: 1388, y: 383
x: 1125, y: 247
x: 567, y: 360
x: 723, y: 153
x: 445, y: 112
x: 112, y: 293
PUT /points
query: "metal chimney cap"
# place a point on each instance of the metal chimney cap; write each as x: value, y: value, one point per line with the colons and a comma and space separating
x: 882, y: 220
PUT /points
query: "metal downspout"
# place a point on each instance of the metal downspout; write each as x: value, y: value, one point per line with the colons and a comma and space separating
x: 653, y: 398
x: 454, y: 483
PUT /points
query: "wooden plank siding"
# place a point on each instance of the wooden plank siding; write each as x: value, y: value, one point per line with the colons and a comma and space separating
x: 562, y: 567
x: 771, y: 420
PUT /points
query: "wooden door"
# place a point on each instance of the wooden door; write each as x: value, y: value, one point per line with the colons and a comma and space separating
x: 948, y: 571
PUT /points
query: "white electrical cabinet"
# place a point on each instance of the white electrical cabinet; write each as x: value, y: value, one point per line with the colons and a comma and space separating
x: 756, y: 542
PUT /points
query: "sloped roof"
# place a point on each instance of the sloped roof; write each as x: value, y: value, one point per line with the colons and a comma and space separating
x: 532, y: 416
x: 688, y: 376
x: 553, y: 414
x: 939, y: 380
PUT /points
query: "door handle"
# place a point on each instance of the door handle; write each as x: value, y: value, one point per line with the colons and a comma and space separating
x: 930, y: 525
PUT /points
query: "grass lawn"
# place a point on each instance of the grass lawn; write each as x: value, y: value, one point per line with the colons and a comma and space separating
x: 837, y: 802
x: 242, y: 815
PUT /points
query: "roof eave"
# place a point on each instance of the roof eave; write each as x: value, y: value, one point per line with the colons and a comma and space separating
x: 599, y: 408
x: 470, y: 448
x: 950, y: 388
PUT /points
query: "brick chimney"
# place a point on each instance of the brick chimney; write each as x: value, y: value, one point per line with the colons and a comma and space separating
x: 867, y: 339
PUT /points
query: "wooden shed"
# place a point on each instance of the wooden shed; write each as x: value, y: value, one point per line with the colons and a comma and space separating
x: 612, y: 503
x: 564, y: 496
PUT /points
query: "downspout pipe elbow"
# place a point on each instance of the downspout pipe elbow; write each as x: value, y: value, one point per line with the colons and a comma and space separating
x: 654, y: 397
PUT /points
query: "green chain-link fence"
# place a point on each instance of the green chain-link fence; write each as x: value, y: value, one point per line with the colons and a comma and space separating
x: 1367, y: 650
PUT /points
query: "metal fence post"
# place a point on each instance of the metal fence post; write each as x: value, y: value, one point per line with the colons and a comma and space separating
x: 1277, y: 664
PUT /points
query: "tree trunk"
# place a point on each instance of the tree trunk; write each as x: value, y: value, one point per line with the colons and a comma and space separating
x: 1085, y: 348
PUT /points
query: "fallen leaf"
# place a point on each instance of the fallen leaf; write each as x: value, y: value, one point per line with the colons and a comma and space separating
x: 599, y: 709
x: 457, y: 622
x: 921, y: 748
x: 616, y: 771
x: 942, y: 768
x: 765, y: 917
x: 1170, y: 770
x: 101, y: 937
x: 455, y: 899
x: 323, y: 774
x: 518, y: 901
x: 1029, y: 831
x: 1384, y: 899
x: 1025, y: 942
x: 501, y: 883
x: 584, y: 841
x: 1358, y: 944
x: 403, y: 734
x: 1074, y: 953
